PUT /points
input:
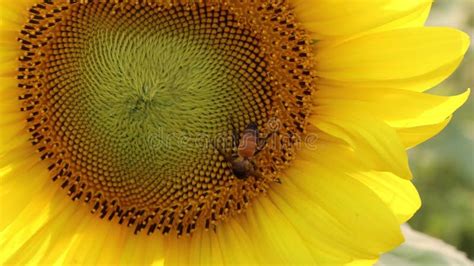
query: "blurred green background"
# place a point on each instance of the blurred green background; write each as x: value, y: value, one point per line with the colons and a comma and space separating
x: 444, y: 166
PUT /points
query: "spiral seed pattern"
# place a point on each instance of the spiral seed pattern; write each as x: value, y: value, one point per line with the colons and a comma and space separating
x: 132, y: 103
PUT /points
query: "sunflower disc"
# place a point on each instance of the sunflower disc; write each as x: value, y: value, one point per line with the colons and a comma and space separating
x: 133, y: 103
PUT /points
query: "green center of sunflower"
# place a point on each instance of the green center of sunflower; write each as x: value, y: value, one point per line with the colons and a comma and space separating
x: 139, y: 107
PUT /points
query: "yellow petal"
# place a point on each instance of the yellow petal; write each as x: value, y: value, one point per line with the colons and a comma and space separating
x: 232, y: 236
x: 13, y: 14
x: 208, y: 249
x: 328, y: 19
x: 16, y: 233
x: 416, y: 116
x: 371, y: 138
x: 412, y: 59
x: 22, y: 181
x: 38, y: 234
x: 398, y: 194
x: 35, y: 213
x: 398, y: 108
x: 361, y: 262
x: 317, y: 187
x: 416, y: 135
x: 269, y: 227
x: 33, y: 231
x: 417, y: 18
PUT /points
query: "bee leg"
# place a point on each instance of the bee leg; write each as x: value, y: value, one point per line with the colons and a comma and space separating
x: 235, y: 137
x: 225, y: 155
x: 235, y: 133
x: 254, y: 171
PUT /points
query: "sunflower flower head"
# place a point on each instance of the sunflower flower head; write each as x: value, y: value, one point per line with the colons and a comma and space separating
x: 214, y: 132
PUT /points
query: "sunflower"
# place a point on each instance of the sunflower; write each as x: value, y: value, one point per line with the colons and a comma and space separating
x: 215, y: 132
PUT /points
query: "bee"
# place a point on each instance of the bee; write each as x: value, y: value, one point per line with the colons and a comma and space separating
x: 244, y: 149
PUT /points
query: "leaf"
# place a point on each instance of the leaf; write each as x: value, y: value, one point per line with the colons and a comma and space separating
x: 421, y: 249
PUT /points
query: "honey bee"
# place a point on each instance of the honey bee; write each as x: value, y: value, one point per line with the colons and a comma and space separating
x: 245, y: 149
